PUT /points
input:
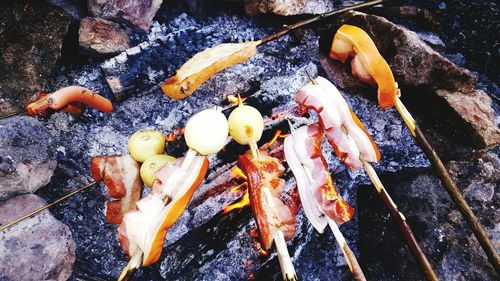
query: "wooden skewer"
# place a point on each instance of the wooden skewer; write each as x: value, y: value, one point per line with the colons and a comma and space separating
x: 287, y: 269
x: 451, y: 187
x: 47, y: 206
x: 299, y: 24
x: 411, y: 241
x: 286, y: 265
x: 352, y: 261
x: 136, y: 259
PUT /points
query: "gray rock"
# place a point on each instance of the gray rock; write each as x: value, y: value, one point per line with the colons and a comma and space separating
x: 439, y: 227
x: 27, y: 156
x: 475, y: 110
x: 419, y: 69
x: 102, y: 37
x: 31, y: 36
x: 288, y: 7
x: 38, y: 248
x: 134, y: 13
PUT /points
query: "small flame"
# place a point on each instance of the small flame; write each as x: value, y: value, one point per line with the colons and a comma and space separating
x: 263, y: 252
x: 237, y: 173
x: 278, y: 135
x: 235, y: 99
x: 170, y: 137
x: 245, y: 201
x: 175, y: 135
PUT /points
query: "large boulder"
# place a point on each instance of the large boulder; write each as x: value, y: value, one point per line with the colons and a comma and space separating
x: 137, y: 14
x: 31, y: 37
x: 38, y: 248
x: 288, y: 7
x: 442, y: 232
x: 422, y: 74
x: 27, y: 156
x: 102, y: 37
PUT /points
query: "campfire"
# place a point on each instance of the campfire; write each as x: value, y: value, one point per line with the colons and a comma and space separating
x: 188, y: 142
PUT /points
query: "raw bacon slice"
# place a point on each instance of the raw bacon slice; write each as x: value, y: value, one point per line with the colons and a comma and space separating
x: 344, y: 131
x: 121, y: 175
x: 146, y: 227
x: 265, y: 172
x: 367, y: 63
x: 318, y: 194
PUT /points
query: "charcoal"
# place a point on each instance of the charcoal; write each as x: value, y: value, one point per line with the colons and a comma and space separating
x: 206, y: 244
x: 148, y: 65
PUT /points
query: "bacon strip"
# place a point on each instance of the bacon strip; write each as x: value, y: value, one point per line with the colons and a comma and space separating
x: 146, y: 227
x: 344, y: 132
x: 367, y: 63
x: 261, y: 173
x: 317, y: 192
x: 121, y: 175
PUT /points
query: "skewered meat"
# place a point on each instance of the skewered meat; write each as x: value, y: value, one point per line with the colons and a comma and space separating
x: 317, y: 192
x: 367, y: 63
x: 120, y: 174
x: 69, y: 99
x: 345, y: 133
x: 264, y: 172
x: 146, y: 227
x: 206, y: 64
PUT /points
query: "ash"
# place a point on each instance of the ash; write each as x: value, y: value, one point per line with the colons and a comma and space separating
x: 206, y: 244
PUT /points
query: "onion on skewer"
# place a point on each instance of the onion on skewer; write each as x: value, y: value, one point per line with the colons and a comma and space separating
x: 274, y: 219
x: 143, y: 231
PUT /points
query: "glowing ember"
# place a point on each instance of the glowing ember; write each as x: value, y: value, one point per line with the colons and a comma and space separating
x: 175, y: 135
x: 262, y: 252
x: 170, y: 137
x: 237, y: 173
x: 235, y: 99
x: 245, y: 201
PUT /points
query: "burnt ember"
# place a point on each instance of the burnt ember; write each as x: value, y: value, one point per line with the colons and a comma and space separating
x: 207, y: 243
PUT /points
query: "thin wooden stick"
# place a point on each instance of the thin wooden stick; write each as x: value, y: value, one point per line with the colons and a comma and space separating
x: 287, y: 269
x: 286, y: 265
x: 46, y: 206
x: 299, y: 24
x: 133, y: 264
x: 352, y: 262
x: 411, y: 241
x: 136, y: 258
x: 451, y: 187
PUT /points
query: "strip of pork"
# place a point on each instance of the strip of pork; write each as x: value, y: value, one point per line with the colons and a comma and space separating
x: 264, y: 172
x: 121, y: 175
x: 145, y: 228
x: 345, y: 133
x: 318, y: 194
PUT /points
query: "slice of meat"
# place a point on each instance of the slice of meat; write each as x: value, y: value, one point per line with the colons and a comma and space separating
x: 121, y: 175
x: 317, y: 191
x: 348, y: 137
x: 367, y: 63
x: 265, y: 172
x: 146, y: 227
